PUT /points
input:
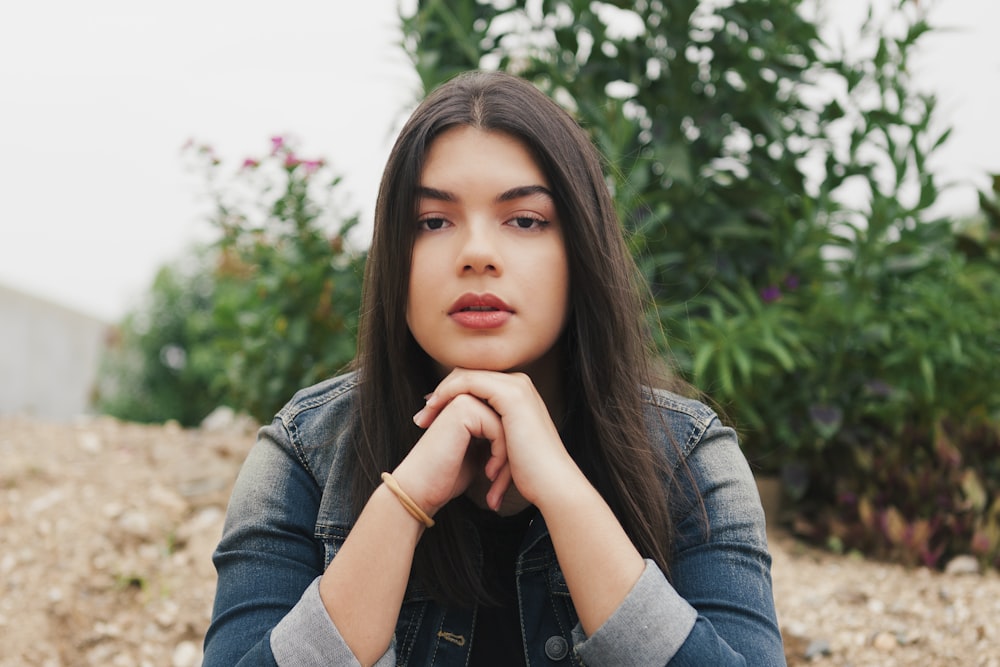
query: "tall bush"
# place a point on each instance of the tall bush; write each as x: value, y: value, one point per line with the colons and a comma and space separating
x: 702, y: 117
x: 776, y: 191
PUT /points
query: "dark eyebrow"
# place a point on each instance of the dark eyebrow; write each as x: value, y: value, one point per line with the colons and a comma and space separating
x: 514, y: 193
x: 431, y: 193
x: 524, y: 191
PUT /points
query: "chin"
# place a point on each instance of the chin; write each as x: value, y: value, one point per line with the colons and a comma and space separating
x: 478, y: 363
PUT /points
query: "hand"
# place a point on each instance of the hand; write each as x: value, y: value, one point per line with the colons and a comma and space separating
x: 467, y: 437
x: 535, y: 458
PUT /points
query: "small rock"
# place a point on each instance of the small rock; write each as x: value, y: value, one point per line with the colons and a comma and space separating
x: 7, y: 563
x: 219, y: 419
x: 107, y: 630
x: 168, y: 614
x: 817, y: 648
x: 186, y: 654
x: 208, y: 519
x: 962, y: 565
x: 885, y: 641
x: 167, y: 498
x: 225, y: 419
x: 90, y: 442
x: 135, y: 523
x: 876, y: 607
x: 113, y: 509
x: 45, y: 501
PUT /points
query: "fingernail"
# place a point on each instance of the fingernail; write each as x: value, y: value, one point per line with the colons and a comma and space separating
x: 416, y: 417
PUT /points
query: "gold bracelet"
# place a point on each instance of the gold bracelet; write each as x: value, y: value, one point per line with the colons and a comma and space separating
x: 407, y: 501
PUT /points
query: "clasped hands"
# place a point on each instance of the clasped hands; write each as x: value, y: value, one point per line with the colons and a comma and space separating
x: 485, y: 426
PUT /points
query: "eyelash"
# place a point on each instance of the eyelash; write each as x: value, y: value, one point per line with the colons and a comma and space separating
x: 533, y: 220
x: 424, y: 224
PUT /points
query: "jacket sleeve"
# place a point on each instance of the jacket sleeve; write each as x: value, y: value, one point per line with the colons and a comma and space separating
x: 719, y: 609
x: 267, y: 606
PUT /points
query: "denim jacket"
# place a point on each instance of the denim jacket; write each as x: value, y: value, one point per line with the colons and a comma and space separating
x: 289, y: 515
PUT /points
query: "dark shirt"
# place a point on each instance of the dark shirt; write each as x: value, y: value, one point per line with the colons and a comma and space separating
x: 496, y: 639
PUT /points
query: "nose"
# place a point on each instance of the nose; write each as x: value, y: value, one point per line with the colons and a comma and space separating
x: 479, y: 252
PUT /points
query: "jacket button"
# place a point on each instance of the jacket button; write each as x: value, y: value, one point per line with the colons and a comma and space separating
x: 556, y: 648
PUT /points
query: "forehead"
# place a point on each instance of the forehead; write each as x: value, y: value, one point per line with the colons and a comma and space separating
x: 469, y: 156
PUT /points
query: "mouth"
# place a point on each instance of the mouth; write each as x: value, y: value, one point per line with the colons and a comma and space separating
x: 479, y: 303
x: 480, y: 312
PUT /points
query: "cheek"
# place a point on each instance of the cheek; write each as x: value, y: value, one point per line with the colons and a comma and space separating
x: 412, y: 308
x: 564, y: 283
x: 419, y: 294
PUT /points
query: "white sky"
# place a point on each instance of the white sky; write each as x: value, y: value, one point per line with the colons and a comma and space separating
x: 96, y: 99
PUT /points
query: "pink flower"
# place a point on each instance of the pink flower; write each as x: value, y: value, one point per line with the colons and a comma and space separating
x: 291, y: 161
x: 311, y: 166
x: 277, y: 143
x: 250, y: 163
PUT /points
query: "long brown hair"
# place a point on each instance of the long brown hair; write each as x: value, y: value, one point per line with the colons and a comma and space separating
x: 606, y: 347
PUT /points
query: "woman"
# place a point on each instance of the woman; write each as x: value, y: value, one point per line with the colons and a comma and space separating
x: 502, y: 479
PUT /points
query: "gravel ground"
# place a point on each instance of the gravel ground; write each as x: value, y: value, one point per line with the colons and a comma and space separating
x: 106, y: 531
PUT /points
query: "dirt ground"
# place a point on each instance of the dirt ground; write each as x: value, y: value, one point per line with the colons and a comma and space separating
x: 106, y: 532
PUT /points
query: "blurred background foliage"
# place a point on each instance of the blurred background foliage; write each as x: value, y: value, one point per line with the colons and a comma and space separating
x: 269, y: 307
x: 777, y: 195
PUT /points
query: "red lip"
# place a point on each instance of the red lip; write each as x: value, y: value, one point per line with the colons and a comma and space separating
x: 478, y: 301
x: 480, y: 312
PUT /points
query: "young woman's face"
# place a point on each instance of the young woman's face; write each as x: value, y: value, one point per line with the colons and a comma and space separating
x: 489, y: 279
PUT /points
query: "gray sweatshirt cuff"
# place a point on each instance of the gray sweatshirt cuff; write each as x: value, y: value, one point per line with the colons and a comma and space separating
x: 307, y: 637
x: 648, y: 628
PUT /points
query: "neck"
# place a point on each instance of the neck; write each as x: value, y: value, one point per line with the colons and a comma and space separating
x: 547, y: 375
x: 513, y: 501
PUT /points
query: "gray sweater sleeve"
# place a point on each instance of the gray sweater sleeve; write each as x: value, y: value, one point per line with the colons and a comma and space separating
x: 648, y: 628
x: 307, y: 637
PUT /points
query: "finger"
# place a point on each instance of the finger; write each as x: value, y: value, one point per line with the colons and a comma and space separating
x: 498, y: 455
x: 429, y: 412
x: 488, y: 386
x: 434, y: 403
x: 498, y: 489
x: 478, y: 421
x: 485, y: 385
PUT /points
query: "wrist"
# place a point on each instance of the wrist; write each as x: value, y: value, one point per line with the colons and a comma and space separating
x: 569, y: 491
x: 408, y: 503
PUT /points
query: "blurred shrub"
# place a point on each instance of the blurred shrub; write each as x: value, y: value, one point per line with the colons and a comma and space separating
x: 777, y: 193
x: 268, y: 308
x: 149, y: 373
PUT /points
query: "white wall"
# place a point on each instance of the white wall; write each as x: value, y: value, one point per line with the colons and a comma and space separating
x: 49, y: 356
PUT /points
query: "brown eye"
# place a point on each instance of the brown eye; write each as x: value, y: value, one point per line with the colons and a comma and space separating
x: 528, y: 222
x: 432, y: 224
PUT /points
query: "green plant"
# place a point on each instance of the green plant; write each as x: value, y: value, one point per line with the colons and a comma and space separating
x: 918, y: 497
x: 151, y: 371
x: 288, y: 284
x: 268, y: 308
x: 702, y: 113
